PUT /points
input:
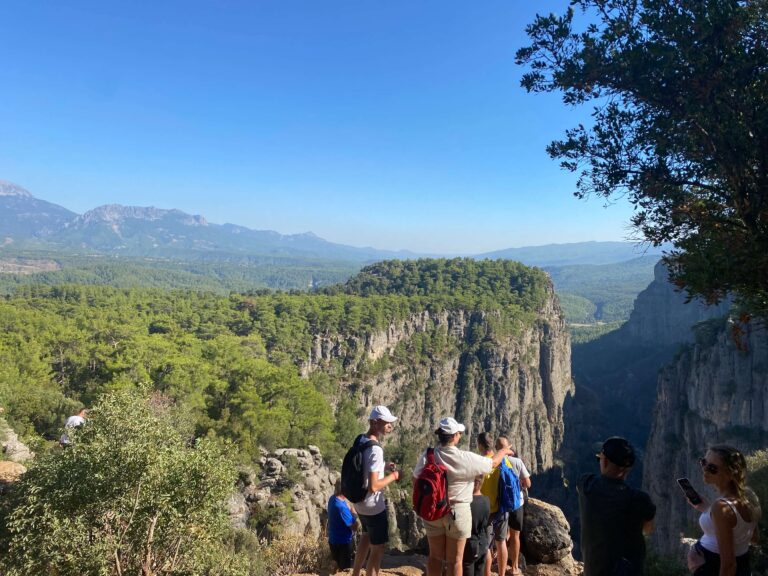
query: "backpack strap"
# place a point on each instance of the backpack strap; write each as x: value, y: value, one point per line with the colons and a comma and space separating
x: 367, y: 444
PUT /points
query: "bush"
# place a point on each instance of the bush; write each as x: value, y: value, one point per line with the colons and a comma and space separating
x: 295, y: 554
x: 132, y: 494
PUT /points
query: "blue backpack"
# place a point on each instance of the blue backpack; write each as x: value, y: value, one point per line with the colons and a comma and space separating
x: 510, y: 494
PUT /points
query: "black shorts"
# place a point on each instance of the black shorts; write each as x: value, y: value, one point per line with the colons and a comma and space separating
x: 516, y: 519
x: 712, y: 564
x: 376, y: 526
x: 499, y: 526
x: 342, y: 555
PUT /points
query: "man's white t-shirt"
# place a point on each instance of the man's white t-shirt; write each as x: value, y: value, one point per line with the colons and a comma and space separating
x: 517, y: 465
x: 461, y: 466
x: 72, y: 422
x: 373, y: 461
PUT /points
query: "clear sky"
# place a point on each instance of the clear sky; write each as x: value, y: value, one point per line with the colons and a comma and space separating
x: 397, y: 124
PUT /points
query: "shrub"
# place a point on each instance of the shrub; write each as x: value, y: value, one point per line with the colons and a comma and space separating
x: 295, y: 554
x: 132, y: 494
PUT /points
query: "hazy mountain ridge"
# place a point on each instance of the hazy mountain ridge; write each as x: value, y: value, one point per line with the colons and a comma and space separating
x: 576, y: 253
x: 24, y: 217
x: 155, y: 232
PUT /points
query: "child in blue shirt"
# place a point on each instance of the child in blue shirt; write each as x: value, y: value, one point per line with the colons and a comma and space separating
x: 341, y: 522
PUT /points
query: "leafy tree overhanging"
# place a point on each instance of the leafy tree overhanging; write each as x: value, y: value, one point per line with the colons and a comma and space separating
x: 680, y: 127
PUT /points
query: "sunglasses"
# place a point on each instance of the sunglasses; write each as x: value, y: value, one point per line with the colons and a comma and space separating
x: 708, y: 466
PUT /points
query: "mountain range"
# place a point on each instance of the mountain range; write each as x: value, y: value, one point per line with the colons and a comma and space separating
x: 28, y: 223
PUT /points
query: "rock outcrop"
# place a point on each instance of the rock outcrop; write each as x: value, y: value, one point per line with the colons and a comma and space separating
x: 662, y: 317
x: 291, y: 488
x: 13, y: 449
x: 513, y: 382
x: 715, y: 392
x: 546, y: 534
x: 14, y: 452
x: 10, y: 472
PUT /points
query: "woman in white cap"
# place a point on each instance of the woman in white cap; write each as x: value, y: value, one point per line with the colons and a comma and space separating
x: 448, y: 535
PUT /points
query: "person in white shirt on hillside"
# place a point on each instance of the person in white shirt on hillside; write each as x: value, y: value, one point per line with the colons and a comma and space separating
x: 448, y: 535
x: 72, y: 422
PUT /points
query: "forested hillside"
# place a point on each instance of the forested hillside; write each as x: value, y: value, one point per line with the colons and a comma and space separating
x: 232, y: 361
x: 601, y: 293
x: 221, y: 275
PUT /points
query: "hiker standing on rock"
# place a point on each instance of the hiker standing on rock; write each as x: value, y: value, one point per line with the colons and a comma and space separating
x: 448, y: 534
x: 363, y: 482
x: 614, y: 517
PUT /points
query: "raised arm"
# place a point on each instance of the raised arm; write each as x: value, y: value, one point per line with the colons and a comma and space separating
x: 500, y: 455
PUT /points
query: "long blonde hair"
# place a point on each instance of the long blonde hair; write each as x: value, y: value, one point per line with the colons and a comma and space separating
x: 736, y: 463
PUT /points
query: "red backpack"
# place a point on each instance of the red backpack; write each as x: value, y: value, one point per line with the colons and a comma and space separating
x: 430, y: 491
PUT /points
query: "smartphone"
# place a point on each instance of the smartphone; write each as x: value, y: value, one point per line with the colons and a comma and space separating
x: 690, y: 493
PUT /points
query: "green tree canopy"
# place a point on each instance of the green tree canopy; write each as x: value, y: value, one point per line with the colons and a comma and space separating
x: 131, y: 495
x: 680, y: 126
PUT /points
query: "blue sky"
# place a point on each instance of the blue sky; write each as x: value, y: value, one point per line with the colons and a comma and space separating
x: 398, y: 124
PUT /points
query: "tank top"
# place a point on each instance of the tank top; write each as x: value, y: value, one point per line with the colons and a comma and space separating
x: 742, y: 532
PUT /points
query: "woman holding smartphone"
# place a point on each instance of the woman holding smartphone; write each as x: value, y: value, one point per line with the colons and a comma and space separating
x: 729, y: 522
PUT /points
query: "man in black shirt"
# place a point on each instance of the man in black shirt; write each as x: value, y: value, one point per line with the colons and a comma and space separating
x: 614, y: 517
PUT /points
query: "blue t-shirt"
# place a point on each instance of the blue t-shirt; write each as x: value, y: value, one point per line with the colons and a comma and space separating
x: 340, y: 519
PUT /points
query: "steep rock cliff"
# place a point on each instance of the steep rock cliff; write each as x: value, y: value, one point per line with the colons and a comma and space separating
x: 616, y: 377
x: 512, y: 382
x: 714, y: 392
x: 662, y: 317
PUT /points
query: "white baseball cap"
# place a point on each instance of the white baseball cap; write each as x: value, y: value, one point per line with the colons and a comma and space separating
x: 381, y: 412
x: 450, y: 426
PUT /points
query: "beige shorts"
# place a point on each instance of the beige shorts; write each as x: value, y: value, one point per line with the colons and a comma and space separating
x: 457, y: 524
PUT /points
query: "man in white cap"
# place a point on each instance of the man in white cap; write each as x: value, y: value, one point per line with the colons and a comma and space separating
x: 372, y: 510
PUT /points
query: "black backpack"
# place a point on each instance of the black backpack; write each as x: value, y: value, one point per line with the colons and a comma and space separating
x: 353, y: 470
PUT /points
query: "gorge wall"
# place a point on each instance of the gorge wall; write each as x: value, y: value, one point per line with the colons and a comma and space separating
x: 512, y: 380
x: 512, y: 383
x: 662, y: 317
x: 616, y: 377
x: 714, y: 392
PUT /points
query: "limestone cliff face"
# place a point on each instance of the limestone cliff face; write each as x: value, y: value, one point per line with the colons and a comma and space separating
x: 661, y: 316
x: 513, y: 383
x: 714, y: 392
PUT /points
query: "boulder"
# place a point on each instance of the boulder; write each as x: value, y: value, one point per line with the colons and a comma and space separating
x: 13, y: 449
x: 546, y: 535
x: 567, y: 566
x: 10, y: 471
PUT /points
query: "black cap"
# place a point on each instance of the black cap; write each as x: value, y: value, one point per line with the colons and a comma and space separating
x: 619, y: 451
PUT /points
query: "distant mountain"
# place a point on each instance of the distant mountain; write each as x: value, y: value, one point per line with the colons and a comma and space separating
x: 149, y: 232
x: 23, y: 217
x: 576, y: 253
